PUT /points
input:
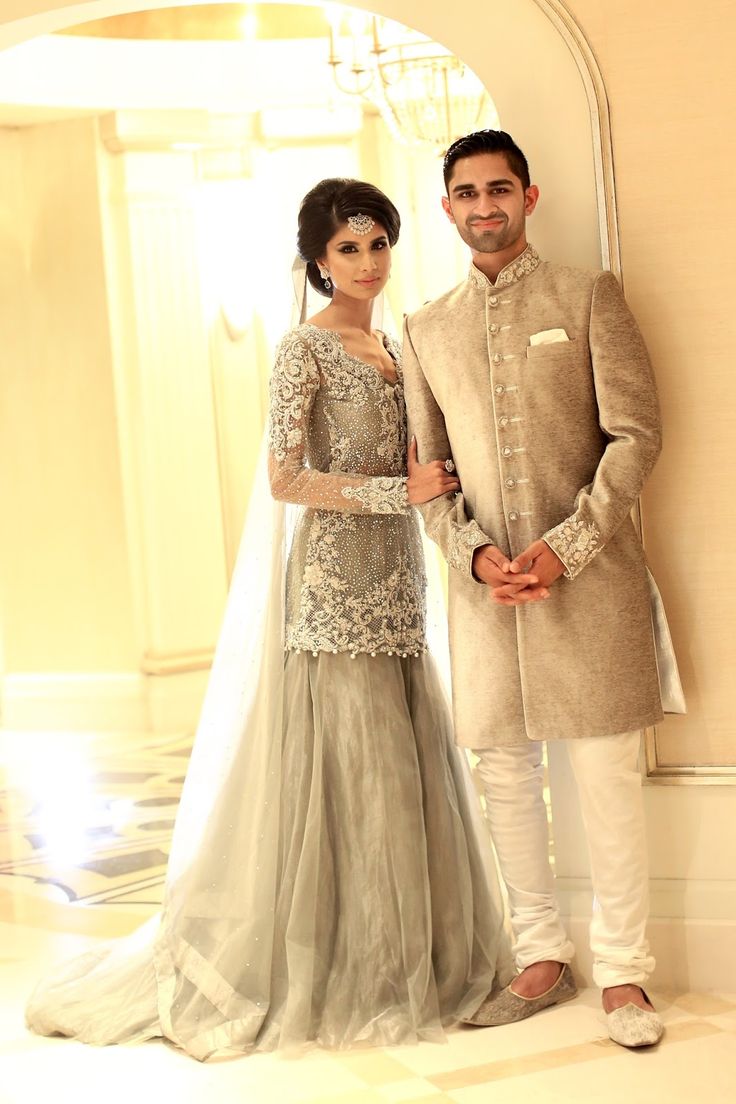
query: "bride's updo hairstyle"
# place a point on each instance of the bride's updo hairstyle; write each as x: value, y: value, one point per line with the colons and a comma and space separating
x: 330, y: 204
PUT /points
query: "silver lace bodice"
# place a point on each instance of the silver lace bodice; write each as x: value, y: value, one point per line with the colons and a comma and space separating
x: 337, y: 447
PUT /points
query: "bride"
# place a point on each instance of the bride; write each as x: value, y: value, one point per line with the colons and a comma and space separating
x: 330, y: 878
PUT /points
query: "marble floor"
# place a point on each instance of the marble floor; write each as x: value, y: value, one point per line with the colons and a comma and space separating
x: 85, y: 824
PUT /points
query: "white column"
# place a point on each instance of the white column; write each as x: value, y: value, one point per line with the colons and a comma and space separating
x: 166, y: 418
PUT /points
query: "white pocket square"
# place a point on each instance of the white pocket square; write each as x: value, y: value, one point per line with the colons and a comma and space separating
x: 547, y: 337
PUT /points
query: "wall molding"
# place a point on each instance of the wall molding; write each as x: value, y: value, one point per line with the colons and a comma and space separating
x: 600, y: 126
x: 108, y: 701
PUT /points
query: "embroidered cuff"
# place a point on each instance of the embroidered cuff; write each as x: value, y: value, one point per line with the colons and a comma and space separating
x: 462, y: 544
x: 381, y: 494
x: 576, y: 542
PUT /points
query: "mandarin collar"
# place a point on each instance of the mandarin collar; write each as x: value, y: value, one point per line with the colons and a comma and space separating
x: 514, y: 271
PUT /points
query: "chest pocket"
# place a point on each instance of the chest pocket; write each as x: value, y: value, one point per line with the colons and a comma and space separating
x: 554, y: 352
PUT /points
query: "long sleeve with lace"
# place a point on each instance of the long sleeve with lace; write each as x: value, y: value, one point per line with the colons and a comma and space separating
x: 331, y: 478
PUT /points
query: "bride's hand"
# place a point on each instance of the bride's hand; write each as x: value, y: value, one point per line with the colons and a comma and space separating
x: 428, y: 481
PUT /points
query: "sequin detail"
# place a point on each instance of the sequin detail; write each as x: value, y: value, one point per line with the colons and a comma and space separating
x: 575, y: 542
x: 516, y: 270
x: 337, y: 435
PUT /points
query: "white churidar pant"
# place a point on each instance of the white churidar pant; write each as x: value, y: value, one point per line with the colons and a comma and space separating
x: 609, y: 787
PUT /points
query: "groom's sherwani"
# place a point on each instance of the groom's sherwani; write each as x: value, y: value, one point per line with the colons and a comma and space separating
x: 553, y: 436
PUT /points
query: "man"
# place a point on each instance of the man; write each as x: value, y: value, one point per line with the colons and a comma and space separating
x: 533, y: 379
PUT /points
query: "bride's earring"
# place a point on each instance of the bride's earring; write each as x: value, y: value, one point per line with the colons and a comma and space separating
x: 326, y: 277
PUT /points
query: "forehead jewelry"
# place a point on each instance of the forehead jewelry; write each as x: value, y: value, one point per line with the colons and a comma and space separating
x: 361, y: 224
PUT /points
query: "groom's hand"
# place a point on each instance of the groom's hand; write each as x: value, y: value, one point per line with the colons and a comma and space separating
x: 509, y: 586
x: 539, y: 559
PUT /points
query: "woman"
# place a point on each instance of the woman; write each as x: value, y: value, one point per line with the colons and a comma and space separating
x: 329, y: 878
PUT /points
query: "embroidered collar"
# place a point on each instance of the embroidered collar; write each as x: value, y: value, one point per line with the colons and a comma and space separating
x: 521, y: 266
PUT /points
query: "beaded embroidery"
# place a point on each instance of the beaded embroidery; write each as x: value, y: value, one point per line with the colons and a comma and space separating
x: 462, y: 543
x: 525, y: 263
x: 575, y: 542
x: 337, y: 436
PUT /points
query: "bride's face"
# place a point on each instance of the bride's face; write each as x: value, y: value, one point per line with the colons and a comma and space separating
x: 358, y: 264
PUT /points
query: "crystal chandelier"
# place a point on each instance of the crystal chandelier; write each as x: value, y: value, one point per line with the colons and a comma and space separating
x: 425, y: 94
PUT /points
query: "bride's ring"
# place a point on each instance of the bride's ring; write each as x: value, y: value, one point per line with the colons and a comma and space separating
x: 449, y: 466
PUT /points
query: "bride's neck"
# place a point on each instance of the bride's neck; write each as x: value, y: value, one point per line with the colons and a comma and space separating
x: 350, y: 314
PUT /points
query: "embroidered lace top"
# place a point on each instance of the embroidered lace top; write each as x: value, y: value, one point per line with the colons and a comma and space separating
x: 337, y: 447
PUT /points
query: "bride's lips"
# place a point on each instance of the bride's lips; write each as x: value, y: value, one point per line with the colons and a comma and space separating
x: 368, y: 283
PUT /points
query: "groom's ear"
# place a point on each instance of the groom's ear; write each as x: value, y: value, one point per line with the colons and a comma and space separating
x: 447, y: 209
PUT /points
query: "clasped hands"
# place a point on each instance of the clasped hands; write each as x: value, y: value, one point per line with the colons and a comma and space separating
x: 526, y: 578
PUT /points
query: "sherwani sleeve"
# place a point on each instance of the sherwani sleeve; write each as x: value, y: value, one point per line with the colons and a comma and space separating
x: 445, y: 518
x: 295, y: 382
x: 628, y: 414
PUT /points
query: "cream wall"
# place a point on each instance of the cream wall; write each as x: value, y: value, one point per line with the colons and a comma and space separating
x: 63, y: 551
x: 672, y: 88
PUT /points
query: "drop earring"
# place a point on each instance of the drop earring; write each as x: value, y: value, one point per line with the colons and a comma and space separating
x: 326, y: 277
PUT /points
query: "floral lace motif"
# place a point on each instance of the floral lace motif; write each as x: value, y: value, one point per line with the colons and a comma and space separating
x: 297, y: 377
x: 355, y: 578
x: 462, y: 544
x: 525, y: 263
x: 575, y: 542
x: 384, y: 612
x: 386, y: 495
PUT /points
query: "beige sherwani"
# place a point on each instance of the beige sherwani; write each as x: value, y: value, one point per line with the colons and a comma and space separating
x: 551, y: 438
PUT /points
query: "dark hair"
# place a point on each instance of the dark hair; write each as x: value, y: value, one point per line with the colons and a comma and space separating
x: 327, y: 206
x: 487, y: 141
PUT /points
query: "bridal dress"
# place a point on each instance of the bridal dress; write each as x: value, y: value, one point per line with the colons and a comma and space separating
x: 331, y: 879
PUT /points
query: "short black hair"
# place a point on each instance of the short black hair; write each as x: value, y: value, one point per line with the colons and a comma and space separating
x: 327, y: 206
x: 487, y: 141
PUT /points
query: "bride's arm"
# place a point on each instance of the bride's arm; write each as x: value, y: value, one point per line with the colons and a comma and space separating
x: 294, y: 384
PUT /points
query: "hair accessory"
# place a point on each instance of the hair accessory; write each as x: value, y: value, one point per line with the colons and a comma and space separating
x: 361, y: 224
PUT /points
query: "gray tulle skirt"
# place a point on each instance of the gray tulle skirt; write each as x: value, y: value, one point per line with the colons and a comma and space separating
x: 343, y: 890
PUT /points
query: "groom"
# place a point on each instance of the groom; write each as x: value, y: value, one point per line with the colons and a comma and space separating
x: 533, y: 380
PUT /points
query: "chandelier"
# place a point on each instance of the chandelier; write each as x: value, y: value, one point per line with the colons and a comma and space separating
x: 425, y: 94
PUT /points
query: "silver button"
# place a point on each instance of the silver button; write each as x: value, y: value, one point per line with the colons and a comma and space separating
x: 493, y: 328
x: 510, y: 482
x: 493, y: 301
x: 497, y: 358
x: 513, y: 516
x: 499, y: 389
x: 503, y: 421
x: 506, y: 450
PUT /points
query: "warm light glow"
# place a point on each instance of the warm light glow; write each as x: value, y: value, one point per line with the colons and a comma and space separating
x: 59, y: 785
x: 335, y: 15
x: 249, y: 23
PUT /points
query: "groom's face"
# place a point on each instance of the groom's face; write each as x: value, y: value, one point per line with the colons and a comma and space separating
x: 487, y: 203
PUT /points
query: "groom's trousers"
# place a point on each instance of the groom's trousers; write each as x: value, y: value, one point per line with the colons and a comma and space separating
x: 609, y: 787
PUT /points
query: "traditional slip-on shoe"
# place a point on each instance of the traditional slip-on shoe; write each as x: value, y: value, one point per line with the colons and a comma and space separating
x: 506, y: 1006
x: 631, y: 1026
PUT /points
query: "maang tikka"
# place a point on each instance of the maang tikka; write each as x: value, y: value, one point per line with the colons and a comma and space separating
x: 361, y: 224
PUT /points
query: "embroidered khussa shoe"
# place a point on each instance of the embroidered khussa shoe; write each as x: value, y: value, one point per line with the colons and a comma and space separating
x: 506, y: 1006
x: 631, y: 1026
